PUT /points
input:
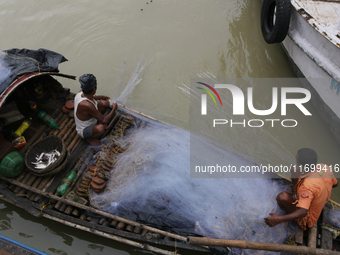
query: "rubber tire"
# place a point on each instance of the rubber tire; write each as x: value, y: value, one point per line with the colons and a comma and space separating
x: 275, y: 33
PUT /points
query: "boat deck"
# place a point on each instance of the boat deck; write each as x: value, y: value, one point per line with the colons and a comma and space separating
x: 326, y: 12
x: 68, y: 134
x: 39, y: 192
x: 324, y: 15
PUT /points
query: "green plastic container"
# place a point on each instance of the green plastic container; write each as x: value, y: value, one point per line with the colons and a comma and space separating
x: 66, y: 183
x: 12, y: 164
x: 48, y: 120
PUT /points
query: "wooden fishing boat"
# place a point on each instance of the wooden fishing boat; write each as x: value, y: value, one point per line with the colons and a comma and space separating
x: 37, y: 193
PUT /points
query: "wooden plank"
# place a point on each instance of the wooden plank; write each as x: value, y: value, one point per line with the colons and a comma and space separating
x: 35, y: 184
x: 101, y: 221
x: 75, y: 212
x: 312, y: 236
x: 326, y: 239
x: 62, y: 123
x: 114, y: 231
x: 77, y: 144
x: 47, y: 185
x: 93, y: 210
x: 34, y: 196
x: 326, y: 235
x: 116, y: 238
x: 74, y: 141
x: 71, y: 137
x: 299, y: 236
x: 24, y: 180
x: 66, y: 128
x: 29, y: 183
x: 19, y: 201
x: 258, y: 246
x: 114, y: 223
x: 62, y: 207
x: 19, y: 178
x: 68, y: 209
x: 69, y: 131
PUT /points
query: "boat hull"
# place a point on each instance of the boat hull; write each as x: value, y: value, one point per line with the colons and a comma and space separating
x: 316, y: 57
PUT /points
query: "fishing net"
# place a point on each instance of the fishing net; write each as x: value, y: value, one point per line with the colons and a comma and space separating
x: 332, y: 217
x: 149, y: 182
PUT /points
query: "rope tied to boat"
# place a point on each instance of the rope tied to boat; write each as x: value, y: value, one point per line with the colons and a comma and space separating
x: 176, y: 250
x: 38, y: 66
x: 45, y: 205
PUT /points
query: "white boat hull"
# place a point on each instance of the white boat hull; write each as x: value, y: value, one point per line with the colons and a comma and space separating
x: 315, y: 54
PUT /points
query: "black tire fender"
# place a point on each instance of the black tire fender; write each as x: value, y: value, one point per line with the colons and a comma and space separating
x: 275, y: 31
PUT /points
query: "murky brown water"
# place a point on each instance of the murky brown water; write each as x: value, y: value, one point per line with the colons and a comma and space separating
x: 182, y: 40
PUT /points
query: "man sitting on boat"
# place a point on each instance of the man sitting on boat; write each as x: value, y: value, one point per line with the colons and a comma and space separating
x: 312, y: 187
x: 89, y: 113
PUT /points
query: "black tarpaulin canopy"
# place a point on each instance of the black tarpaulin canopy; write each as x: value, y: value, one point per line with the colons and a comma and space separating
x: 16, y: 62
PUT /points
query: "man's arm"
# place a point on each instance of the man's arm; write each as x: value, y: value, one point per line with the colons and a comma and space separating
x: 109, y: 116
x: 91, y: 111
x: 275, y: 219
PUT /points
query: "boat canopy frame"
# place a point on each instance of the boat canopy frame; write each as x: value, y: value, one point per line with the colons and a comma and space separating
x: 21, y: 80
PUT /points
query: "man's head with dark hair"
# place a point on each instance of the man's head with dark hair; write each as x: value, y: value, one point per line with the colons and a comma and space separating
x: 306, y: 156
x: 88, y: 82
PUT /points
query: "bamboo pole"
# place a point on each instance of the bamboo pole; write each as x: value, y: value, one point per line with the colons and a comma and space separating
x: 66, y: 135
x: 113, y: 237
x: 65, y: 129
x: 61, y: 125
x: 71, y: 137
x: 75, y: 146
x: 91, y: 209
x: 259, y: 246
x: 73, y: 142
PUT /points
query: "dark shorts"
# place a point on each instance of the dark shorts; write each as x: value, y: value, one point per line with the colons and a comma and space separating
x: 88, y: 131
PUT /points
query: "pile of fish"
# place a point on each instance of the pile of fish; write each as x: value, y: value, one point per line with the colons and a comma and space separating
x: 45, y: 159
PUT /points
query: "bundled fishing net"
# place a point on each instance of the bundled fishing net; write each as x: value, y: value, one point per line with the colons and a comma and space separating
x: 150, y: 183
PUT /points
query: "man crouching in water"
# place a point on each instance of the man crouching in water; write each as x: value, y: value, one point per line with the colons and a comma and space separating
x: 311, y: 190
x: 88, y: 113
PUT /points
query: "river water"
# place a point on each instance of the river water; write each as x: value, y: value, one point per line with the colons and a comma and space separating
x: 179, y: 40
